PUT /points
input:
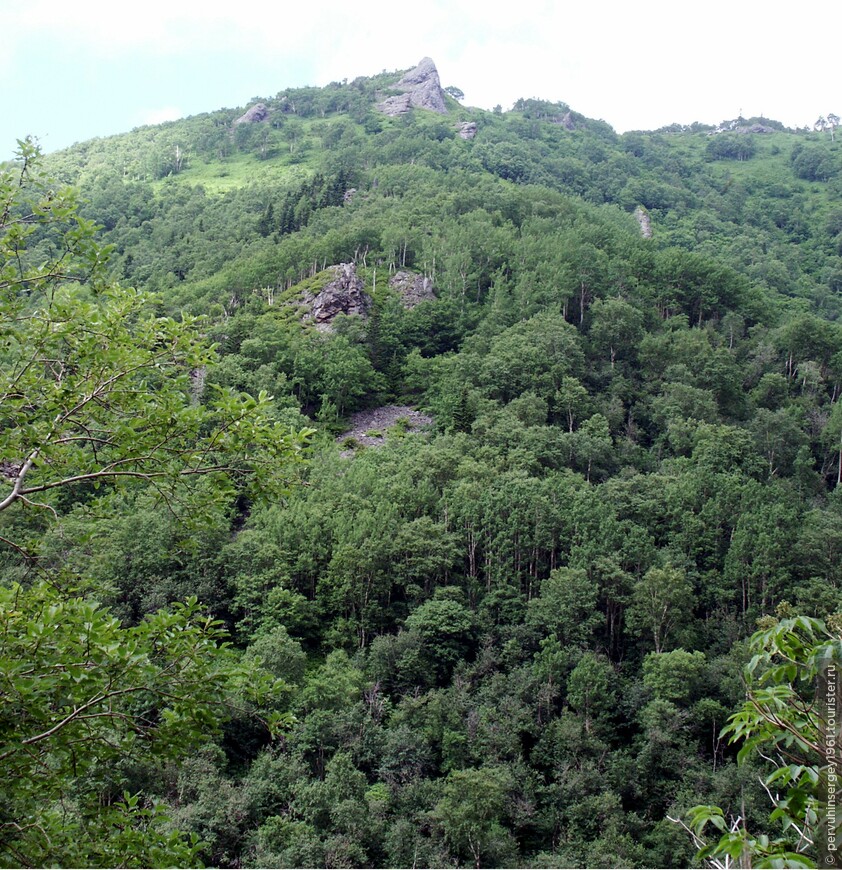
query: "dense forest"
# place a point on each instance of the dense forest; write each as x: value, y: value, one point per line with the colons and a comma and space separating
x: 238, y: 631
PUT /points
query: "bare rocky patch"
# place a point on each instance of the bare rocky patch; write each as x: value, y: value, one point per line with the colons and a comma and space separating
x: 370, y: 428
x: 344, y: 294
x: 254, y: 115
x: 412, y: 288
x: 340, y: 290
x: 421, y: 90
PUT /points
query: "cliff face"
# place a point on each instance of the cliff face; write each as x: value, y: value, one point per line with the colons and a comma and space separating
x: 642, y: 217
x: 421, y: 90
x: 343, y: 295
x: 258, y: 112
x: 412, y: 288
x: 343, y: 292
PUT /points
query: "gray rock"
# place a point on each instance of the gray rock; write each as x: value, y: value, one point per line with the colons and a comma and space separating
x: 258, y: 112
x: 343, y: 295
x: 370, y: 428
x: 468, y: 129
x: 734, y: 127
x: 399, y: 104
x: 755, y: 128
x: 10, y: 470
x: 567, y: 122
x: 642, y: 217
x: 412, y: 288
x: 422, y: 74
x: 421, y: 89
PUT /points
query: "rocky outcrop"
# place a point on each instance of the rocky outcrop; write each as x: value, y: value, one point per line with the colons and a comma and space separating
x: 370, y: 428
x: 755, y: 128
x: 412, y: 288
x: 467, y: 129
x: 736, y: 127
x: 399, y: 104
x: 342, y: 295
x: 568, y: 122
x: 642, y: 217
x: 258, y: 112
x: 424, y: 87
x: 421, y: 89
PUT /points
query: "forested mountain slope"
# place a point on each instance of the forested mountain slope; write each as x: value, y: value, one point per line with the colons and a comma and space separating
x: 511, y: 639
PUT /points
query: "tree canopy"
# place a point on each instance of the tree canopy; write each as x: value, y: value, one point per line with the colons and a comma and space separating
x: 512, y: 636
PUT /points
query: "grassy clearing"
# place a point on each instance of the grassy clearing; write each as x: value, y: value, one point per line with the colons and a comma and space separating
x: 238, y: 170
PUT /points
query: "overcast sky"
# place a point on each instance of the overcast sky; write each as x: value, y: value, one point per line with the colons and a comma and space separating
x: 75, y: 69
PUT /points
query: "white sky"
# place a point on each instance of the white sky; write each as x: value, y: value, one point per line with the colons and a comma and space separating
x: 74, y: 69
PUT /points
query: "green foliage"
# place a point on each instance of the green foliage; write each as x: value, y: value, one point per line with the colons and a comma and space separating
x: 674, y: 676
x: 734, y: 146
x: 791, y: 712
x: 566, y: 607
x: 470, y: 812
x: 446, y: 631
x: 814, y: 162
x: 661, y: 603
x: 96, y: 390
x: 510, y: 639
x: 591, y: 693
x: 82, y: 695
x: 96, y: 398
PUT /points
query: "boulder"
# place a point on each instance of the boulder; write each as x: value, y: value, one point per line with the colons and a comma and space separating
x: 642, y: 217
x: 421, y: 89
x: 468, y: 129
x: 344, y: 294
x: 258, y: 112
x: 412, y: 288
x: 755, y: 128
x: 399, y: 104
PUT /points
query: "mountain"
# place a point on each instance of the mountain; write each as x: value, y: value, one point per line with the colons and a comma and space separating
x: 576, y: 401
x: 767, y: 194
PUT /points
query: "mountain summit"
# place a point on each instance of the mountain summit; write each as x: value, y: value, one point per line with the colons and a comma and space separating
x: 421, y: 90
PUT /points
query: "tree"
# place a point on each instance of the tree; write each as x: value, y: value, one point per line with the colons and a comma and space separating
x: 813, y: 162
x: 674, y: 676
x: 567, y: 607
x: 791, y: 719
x: 95, y: 390
x: 661, y: 602
x: 616, y: 328
x: 591, y: 444
x: 572, y: 401
x: 535, y: 354
x: 591, y: 694
x: 471, y: 812
x: 832, y: 436
x: 85, y: 700
x: 447, y: 630
x: 96, y: 395
x: 735, y: 146
x: 347, y: 373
